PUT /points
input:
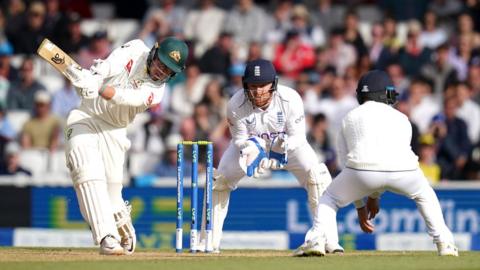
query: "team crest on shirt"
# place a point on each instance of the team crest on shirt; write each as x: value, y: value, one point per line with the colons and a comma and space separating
x: 128, y: 66
x: 150, y: 99
x: 280, y: 118
x: 250, y: 122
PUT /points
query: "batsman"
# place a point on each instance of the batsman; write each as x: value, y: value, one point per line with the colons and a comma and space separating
x: 267, y: 125
x: 113, y: 91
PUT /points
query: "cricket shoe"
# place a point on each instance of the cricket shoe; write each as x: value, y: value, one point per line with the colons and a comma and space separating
x: 447, y: 249
x: 311, y: 248
x: 334, y: 249
x: 200, y: 247
x: 110, y: 246
x: 128, y: 239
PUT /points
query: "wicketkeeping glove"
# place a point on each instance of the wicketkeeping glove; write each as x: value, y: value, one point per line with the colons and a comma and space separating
x: 278, y: 152
x: 253, y: 157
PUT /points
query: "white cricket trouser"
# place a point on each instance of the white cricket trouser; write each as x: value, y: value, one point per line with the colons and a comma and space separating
x: 351, y: 185
x: 95, y: 153
x: 300, y: 162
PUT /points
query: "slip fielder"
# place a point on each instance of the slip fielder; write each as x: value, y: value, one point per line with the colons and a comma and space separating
x: 374, y: 147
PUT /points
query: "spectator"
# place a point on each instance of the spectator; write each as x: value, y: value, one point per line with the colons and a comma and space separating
x: 454, y: 145
x: 99, y: 48
x: 247, y: 22
x: 440, y: 72
x: 154, y: 29
x: 461, y: 55
x: 171, y: 14
x: 426, y: 159
x: 466, y: 28
x: 15, y: 16
x: 328, y: 16
x: 468, y: 111
x: 279, y: 23
x: 43, y: 129
x: 432, y: 36
x: 472, y: 168
x: 378, y: 42
x: 73, y: 40
x: 321, y: 142
x: 7, y: 132
x: 352, y: 35
x: 186, y: 94
x: 32, y: 31
x: 235, y: 83
x: 423, y: 105
x: 55, y: 20
x: 392, y: 40
x: 22, y: 91
x: 7, y: 71
x: 65, y: 100
x: 310, y: 34
x: 217, y: 60
x: 336, y: 106
x: 400, y: 81
x: 404, y: 107
x: 11, y: 165
x: 413, y: 56
x: 341, y: 55
x: 474, y: 82
x: 207, y: 16
x: 293, y: 56
x: 168, y: 165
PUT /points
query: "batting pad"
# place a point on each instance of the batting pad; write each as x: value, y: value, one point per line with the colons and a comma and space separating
x: 96, y: 209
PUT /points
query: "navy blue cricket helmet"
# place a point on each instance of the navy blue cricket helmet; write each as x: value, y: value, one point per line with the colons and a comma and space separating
x: 260, y: 71
x: 376, y: 85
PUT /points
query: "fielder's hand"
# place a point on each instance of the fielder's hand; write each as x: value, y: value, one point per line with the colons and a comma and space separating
x: 253, y: 158
x: 365, y: 223
x: 278, y: 152
x: 86, y: 84
x: 373, y: 207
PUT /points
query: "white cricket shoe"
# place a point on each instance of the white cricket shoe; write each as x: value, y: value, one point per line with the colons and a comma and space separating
x: 447, y: 249
x: 111, y: 246
x: 334, y: 249
x: 311, y: 248
x: 200, y: 247
x: 128, y: 239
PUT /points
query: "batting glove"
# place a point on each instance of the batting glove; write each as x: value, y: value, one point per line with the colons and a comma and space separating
x: 86, y: 84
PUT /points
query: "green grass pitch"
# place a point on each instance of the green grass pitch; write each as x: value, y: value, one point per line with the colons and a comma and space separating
x: 88, y: 259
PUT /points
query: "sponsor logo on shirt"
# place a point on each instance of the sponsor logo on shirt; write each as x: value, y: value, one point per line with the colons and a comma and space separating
x: 250, y: 122
x: 268, y: 135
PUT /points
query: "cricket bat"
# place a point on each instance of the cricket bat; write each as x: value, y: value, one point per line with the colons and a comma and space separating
x: 58, y: 59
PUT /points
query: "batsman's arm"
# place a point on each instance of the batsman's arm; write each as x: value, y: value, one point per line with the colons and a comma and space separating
x: 145, y: 97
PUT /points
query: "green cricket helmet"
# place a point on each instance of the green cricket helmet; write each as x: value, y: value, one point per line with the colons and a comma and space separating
x: 171, y: 52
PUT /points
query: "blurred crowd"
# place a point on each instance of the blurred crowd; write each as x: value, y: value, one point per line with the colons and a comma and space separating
x: 431, y: 49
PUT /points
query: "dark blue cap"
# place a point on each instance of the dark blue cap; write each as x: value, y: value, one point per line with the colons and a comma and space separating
x: 259, y: 71
x: 375, y: 81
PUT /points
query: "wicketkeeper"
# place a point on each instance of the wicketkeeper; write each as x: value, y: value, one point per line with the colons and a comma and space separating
x: 113, y: 91
x: 267, y: 124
